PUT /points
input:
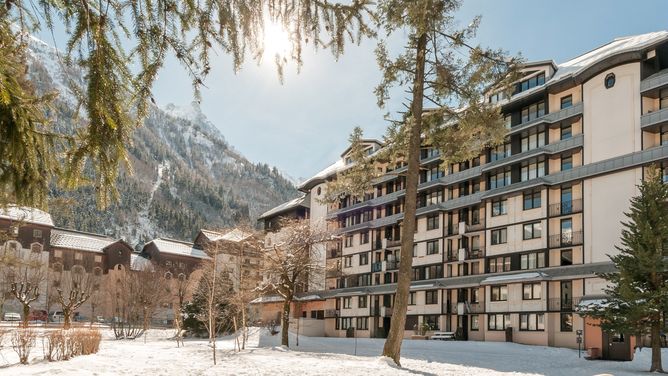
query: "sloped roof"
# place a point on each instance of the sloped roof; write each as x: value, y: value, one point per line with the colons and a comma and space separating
x: 26, y: 214
x: 177, y: 247
x: 69, y: 239
x: 235, y: 235
x: 286, y: 206
x: 321, y: 176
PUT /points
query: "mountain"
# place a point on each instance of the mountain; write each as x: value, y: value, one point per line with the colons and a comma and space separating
x: 185, y: 175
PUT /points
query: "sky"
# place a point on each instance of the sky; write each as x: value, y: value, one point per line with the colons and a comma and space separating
x: 302, y: 125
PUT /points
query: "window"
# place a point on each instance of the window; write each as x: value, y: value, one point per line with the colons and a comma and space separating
x: 364, y: 237
x: 411, y: 298
x: 474, y: 323
x: 431, y: 320
x: 499, y: 207
x: 566, y: 322
x: 496, y: 97
x: 566, y: 131
x: 347, y: 302
x: 432, y: 222
x: 566, y: 163
x: 663, y: 98
x: 532, y: 260
x: 498, y: 321
x: 431, y: 297
x: 609, y: 80
x: 362, y: 323
x: 532, y: 321
x: 566, y: 101
x: 566, y: 257
x: 361, y: 302
x: 348, y: 241
x: 529, y: 83
x: 432, y: 247
x: 532, y: 230
x: 499, y: 264
x: 346, y: 322
x: 37, y: 233
x: 533, y: 168
x: 499, y: 236
x: 531, y: 291
x: 533, y: 139
x: 499, y: 293
x: 98, y: 258
x: 348, y: 261
x: 78, y: 256
x: 533, y: 111
x: 364, y: 258
x: 499, y: 179
x: 532, y: 200
x: 36, y: 247
x: 414, y: 250
x: 500, y: 152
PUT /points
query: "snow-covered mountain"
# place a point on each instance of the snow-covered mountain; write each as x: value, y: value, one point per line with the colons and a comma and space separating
x: 185, y: 176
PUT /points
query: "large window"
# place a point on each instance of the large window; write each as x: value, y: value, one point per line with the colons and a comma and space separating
x: 364, y: 237
x: 566, y: 101
x: 532, y: 291
x: 530, y: 83
x: 532, y: 260
x: 364, y: 258
x: 499, y: 179
x: 361, y: 301
x: 362, y: 323
x: 474, y: 323
x: 566, y: 257
x: 566, y: 163
x: 533, y: 168
x: 432, y: 222
x: 499, y: 293
x: 533, y: 111
x: 347, y: 302
x: 500, y: 152
x: 348, y: 261
x: 432, y: 247
x: 566, y: 131
x: 532, y: 200
x: 663, y: 98
x: 411, y: 298
x: 431, y: 320
x: 498, y: 321
x: 532, y: 321
x: 532, y: 230
x: 499, y: 264
x: 348, y: 241
x: 499, y: 236
x: 533, y: 139
x: 431, y: 297
x: 566, y: 322
x: 499, y: 207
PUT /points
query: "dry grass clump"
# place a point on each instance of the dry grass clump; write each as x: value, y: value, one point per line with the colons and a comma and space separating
x: 66, y: 344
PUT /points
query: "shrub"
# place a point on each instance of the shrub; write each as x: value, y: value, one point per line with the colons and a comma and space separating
x: 23, y: 340
x: 66, y: 344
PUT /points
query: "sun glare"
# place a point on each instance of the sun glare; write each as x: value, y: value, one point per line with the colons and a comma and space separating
x: 276, y: 41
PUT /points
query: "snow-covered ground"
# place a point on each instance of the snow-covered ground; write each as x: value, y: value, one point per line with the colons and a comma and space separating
x: 318, y: 356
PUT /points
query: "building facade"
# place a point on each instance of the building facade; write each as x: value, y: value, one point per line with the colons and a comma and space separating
x: 509, y: 243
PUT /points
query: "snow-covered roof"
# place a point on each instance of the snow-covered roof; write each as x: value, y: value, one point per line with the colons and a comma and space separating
x: 588, y: 303
x: 331, y: 170
x: 69, y: 239
x: 177, y: 247
x: 282, y: 208
x: 137, y: 262
x: 308, y: 298
x: 234, y: 235
x: 513, y: 277
x: 267, y: 299
x: 26, y: 214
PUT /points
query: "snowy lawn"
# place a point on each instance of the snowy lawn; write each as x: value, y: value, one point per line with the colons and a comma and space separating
x: 317, y: 356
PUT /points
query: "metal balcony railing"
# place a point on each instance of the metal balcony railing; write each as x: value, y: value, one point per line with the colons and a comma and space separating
x: 393, y: 243
x: 392, y: 265
x: 563, y: 305
x: 566, y: 239
x: 566, y: 207
x: 475, y: 253
x: 377, y: 266
x: 475, y: 227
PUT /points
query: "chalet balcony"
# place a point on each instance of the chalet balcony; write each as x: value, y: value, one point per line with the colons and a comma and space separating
x: 566, y: 239
x: 377, y: 267
x: 563, y: 305
x: 565, y: 208
x: 330, y: 313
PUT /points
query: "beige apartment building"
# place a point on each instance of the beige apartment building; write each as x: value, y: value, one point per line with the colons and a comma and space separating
x: 509, y: 244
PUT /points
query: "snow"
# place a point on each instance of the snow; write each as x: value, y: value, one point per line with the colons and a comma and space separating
x: 75, y: 240
x: 513, y: 277
x: 319, y: 356
x: 26, y: 214
x: 299, y: 201
x: 332, y: 169
x: 177, y: 247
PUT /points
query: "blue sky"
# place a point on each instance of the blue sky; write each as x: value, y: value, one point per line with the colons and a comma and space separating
x: 303, y: 125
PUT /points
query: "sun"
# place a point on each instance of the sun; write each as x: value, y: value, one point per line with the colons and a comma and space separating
x: 276, y: 41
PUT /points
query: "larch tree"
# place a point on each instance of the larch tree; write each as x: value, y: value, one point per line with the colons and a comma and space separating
x: 120, y: 47
x: 441, y: 68
x: 637, y: 293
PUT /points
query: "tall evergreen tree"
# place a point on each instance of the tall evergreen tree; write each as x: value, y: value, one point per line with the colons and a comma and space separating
x: 637, y: 299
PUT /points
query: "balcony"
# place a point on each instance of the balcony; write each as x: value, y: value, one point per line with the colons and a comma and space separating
x: 333, y: 253
x: 376, y: 267
x: 386, y: 311
x: 393, y: 243
x: 449, y: 308
x: 475, y: 227
x: 563, y: 305
x: 654, y: 82
x: 476, y: 253
x: 451, y: 256
x: 566, y: 239
x: 329, y: 313
x: 391, y: 265
x: 377, y: 245
x: 478, y: 307
x: 333, y: 273
x: 551, y: 118
x: 565, y: 208
x: 654, y: 120
x: 375, y: 311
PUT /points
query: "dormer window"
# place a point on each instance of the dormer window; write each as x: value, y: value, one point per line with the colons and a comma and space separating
x: 530, y: 83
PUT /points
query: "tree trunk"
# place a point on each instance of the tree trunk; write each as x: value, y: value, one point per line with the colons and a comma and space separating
x: 656, y: 346
x: 67, y: 322
x: 285, y: 323
x: 392, y: 346
x: 26, y: 315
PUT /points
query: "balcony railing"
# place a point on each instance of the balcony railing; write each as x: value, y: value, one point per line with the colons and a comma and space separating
x: 329, y: 313
x: 449, y: 307
x: 475, y: 227
x: 393, y: 243
x: 566, y: 207
x: 375, y: 311
x: 377, y: 266
x: 475, y: 253
x: 377, y: 245
x: 451, y: 256
x: 392, y: 265
x: 333, y: 273
x: 563, y: 305
x: 478, y: 307
x: 334, y: 253
x: 566, y: 239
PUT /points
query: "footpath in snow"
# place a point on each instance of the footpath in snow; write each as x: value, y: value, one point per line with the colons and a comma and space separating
x: 317, y: 356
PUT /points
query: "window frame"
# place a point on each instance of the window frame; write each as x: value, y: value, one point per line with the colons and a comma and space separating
x: 535, y: 290
x: 499, y: 236
x: 535, y: 230
x: 501, y: 293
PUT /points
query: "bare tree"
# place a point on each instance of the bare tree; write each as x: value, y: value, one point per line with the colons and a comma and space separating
x: 27, y: 275
x: 72, y: 289
x: 151, y: 291
x: 291, y: 261
x: 181, y: 290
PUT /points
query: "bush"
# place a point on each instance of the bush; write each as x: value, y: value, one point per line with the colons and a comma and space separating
x: 23, y: 340
x: 66, y: 344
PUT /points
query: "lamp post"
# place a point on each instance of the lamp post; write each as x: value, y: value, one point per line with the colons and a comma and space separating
x: 578, y: 333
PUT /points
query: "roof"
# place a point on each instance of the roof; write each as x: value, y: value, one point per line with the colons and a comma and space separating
x: 321, y: 176
x: 70, y: 239
x: 286, y: 206
x: 513, y: 277
x: 26, y: 214
x: 177, y: 247
x: 365, y: 141
x: 137, y: 262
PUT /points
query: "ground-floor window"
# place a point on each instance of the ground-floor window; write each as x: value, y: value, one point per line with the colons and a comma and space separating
x: 346, y: 322
x: 411, y: 322
x: 474, y: 322
x: 431, y: 320
x: 532, y: 321
x: 498, y: 321
x: 566, y: 322
x: 362, y: 323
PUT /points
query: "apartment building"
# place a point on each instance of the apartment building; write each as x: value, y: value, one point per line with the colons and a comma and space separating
x: 509, y: 244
